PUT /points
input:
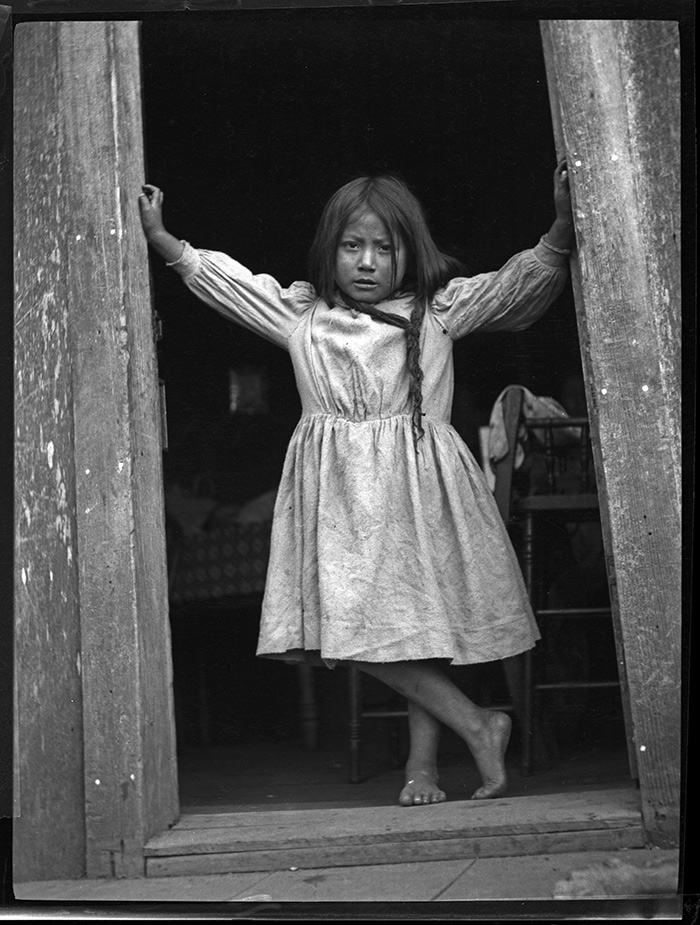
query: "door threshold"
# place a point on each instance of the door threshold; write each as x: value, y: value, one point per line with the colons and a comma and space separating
x: 200, y: 844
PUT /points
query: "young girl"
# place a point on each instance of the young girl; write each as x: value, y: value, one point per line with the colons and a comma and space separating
x: 388, y: 551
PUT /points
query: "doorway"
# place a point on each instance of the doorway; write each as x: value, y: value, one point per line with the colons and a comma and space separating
x: 252, y: 120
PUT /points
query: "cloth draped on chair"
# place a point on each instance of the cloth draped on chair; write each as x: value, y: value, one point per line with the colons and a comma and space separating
x: 533, y: 407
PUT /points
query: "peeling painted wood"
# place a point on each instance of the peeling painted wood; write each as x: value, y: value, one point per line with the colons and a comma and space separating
x: 93, y: 167
x: 619, y: 92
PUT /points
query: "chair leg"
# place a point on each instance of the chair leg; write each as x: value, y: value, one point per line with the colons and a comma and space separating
x: 528, y: 710
x: 518, y: 670
x: 514, y: 670
x: 355, y: 724
x: 307, y: 707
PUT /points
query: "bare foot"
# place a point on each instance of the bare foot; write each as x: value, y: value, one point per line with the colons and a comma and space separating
x: 421, y: 787
x: 491, y: 757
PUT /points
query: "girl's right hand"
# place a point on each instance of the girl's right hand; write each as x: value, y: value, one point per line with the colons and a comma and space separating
x: 151, y: 209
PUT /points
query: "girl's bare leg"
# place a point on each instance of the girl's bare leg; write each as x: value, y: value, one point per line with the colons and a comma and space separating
x: 421, y: 768
x: 485, y: 732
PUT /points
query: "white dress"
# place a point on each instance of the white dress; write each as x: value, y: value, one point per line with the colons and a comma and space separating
x: 380, y: 553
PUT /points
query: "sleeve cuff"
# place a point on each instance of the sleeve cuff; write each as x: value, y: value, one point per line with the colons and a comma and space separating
x: 549, y: 257
x: 187, y: 263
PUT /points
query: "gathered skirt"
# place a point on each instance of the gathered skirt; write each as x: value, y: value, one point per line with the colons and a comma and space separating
x: 381, y: 554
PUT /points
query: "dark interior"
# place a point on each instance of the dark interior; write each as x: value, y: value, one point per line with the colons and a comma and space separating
x: 252, y: 120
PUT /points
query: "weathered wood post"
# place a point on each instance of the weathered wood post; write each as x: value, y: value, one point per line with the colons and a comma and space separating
x: 96, y: 756
x: 48, y: 780
x: 618, y: 89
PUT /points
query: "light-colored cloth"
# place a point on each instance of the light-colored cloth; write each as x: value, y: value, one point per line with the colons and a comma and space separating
x: 533, y: 407
x: 380, y: 553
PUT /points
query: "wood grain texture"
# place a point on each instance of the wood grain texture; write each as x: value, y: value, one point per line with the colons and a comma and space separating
x: 93, y: 642
x: 129, y: 739
x: 273, y: 840
x: 556, y: 812
x: 392, y: 853
x: 48, y: 701
x: 619, y: 93
x: 601, y: 484
x: 145, y: 436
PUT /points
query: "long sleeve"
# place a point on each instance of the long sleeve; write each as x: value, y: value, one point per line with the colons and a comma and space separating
x: 509, y: 299
x: 257, y: 302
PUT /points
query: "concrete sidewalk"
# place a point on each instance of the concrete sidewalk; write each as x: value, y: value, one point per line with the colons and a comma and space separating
x: 510, y: 878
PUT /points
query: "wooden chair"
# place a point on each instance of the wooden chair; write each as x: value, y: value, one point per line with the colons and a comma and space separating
x: 536, y: 500
x: 542, y: 498
x: 393, y: 711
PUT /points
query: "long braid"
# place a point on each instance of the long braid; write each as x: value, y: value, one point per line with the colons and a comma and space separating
x: 415, y: 370
x: 412, y: 327
x: 427, y: 268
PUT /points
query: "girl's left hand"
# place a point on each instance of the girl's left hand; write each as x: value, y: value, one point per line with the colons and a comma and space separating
x: 562, y: 193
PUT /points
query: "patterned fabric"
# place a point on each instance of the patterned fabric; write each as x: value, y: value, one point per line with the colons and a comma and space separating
x: 222, y: 563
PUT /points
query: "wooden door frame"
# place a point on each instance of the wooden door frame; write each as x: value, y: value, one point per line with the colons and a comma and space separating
x: 615, y: 99
x: 96, y: 769
x: 96, y: 763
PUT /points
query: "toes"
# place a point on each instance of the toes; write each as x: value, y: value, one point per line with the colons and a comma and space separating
x: 421, y: 789
x: 410, y: 797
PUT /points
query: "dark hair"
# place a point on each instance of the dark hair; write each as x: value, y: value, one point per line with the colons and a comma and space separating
x: 427, y: 268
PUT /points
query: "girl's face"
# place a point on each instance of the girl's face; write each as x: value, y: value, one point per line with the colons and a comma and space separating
x: 363, y: 264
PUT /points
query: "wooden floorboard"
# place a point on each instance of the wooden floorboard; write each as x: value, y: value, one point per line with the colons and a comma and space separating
x: 274, y: 840
x: 394, y: 853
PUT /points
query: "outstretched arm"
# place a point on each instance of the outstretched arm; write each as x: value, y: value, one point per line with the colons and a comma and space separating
x: 257, y: 302
x: 561, y: 234
x: 515, y: 296
x: 151, y: 209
